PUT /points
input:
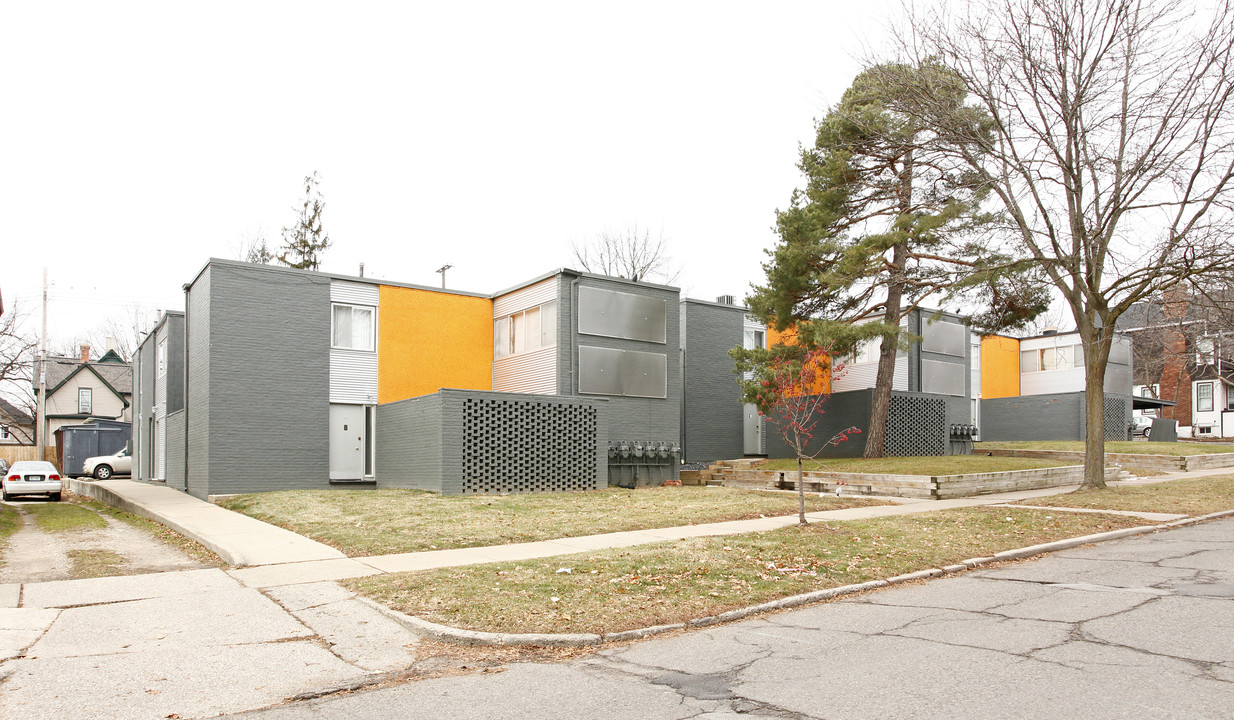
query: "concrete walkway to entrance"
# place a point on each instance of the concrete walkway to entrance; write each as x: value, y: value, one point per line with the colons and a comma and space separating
x: 263, y: 555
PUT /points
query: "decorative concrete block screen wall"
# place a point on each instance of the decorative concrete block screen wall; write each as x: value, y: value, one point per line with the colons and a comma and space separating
x: 473, y: 442
x: 916, y: 425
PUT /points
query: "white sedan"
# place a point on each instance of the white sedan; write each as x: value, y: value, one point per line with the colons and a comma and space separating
x: 104, y: 466
x: 32, y: 477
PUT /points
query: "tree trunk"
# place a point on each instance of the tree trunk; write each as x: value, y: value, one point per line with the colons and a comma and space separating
x: 801, y: 493
x: 1096, y: 358
x: 880, y: 400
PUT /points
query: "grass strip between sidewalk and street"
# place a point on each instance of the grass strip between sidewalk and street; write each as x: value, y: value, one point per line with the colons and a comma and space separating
x: 1176, y: 449
x: 664, y: 583
x: 382, y: 522
x: 1187, y: 496
x: 934, y: 466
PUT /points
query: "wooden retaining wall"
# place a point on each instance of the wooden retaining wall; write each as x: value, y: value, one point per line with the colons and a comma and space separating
x: 1163, y: 463
x: 939, y: 487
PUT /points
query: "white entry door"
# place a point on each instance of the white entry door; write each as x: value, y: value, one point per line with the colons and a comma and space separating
x: 753, y: 430
x: 348, y: 442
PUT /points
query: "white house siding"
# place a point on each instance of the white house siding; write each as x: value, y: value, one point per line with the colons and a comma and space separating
x: 528, y: 372
x: 1047, y: 382
x: 861, y: 375
x: 353, y: 373
x: 1218, y: 422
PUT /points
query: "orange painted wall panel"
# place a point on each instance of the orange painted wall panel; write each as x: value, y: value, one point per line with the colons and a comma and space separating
x: 431, y: 340
x: 1000, y: 367
x: 822, y: 380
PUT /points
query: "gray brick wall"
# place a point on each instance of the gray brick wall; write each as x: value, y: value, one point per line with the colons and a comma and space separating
x: 197, y: 374
x: 144, y: 367
x: 175, y: 362
x: 269, y: 380
x: 1033, y: 417
x: 712, y: 416
x: 843, y: 410
x: 409, y: 444
x: 175, y: 450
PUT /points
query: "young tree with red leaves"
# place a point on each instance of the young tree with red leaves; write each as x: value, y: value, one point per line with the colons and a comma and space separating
x: 790, y: 388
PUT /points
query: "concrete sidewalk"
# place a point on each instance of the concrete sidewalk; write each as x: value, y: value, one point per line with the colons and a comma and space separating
x: 264, y: 556
x: 238, y: 539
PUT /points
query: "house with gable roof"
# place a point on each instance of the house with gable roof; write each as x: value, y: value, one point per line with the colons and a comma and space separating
x: 80, y: 388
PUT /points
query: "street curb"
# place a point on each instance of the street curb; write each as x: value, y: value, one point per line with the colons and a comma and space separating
x: 446, y: 633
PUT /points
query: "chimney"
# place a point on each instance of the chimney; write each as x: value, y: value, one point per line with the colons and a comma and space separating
x: 111, y: 345
x: 85, y: 353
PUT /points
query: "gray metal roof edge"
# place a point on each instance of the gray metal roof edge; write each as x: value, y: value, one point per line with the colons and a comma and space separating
x: 712, y: 303
x: 331, y: 276
x: 581, y: 274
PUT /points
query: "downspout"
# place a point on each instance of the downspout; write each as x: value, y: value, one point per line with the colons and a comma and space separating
x: 185, y: 387
x: 574, y: 337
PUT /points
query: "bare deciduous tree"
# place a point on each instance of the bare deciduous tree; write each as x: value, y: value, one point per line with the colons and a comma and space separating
x: 631, y: 254
x: 1111, y: 147
x: 17, y: 354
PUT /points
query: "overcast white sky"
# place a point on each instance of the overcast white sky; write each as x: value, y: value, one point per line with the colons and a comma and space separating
x: 138, y: 140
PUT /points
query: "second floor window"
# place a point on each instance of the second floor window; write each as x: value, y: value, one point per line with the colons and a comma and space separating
x: 352, y: 327
x: 84, y: 406
x: 525, y: 331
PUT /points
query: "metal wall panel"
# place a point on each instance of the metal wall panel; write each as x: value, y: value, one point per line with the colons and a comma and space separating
x: 530, y: 372
x: 353, y: 293
x: 942, y: 378
x: 523, y: 298
x: 945, y: 338
x: 627, y: 373
x: 609, y: 313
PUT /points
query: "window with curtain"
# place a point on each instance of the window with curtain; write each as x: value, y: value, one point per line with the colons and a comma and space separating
x: 352, y: 327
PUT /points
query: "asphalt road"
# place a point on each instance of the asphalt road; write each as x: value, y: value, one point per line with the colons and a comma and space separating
x: 1141, y: 627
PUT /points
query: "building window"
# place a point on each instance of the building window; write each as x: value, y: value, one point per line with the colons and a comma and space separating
x: 532, y: 329
x: 162, y: 352
x: 83, y: 401
x: 4, y: 432
x: 1066, y: 357
x: 754, y: 339
x: 1204, y: 397
x: 352, y: 327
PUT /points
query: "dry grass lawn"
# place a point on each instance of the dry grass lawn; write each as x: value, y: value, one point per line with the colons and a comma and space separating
x: 665, y: 583
x: 381, y: 522
x: 1194, y: 496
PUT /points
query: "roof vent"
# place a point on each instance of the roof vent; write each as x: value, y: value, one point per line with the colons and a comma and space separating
x: 725, y: 300
x: 1049, y: 331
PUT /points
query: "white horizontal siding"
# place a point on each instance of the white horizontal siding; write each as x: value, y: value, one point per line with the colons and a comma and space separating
x: 859, y: 376
x: 528, y: 297
x: 342, y: 291
x: 353, y: 377
x: 531, y: 372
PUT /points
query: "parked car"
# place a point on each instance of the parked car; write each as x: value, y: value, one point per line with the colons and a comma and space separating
x: 1141, y: 425
x: 104, y: 466
x: 32, y: 477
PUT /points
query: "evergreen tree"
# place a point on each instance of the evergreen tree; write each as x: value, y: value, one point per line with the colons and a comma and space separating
x: 306, y: 240
x: 885, y: 222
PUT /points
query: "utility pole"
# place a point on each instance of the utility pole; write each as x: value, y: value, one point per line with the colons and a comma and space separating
x: 443, y: 270
x: 41, y: 427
